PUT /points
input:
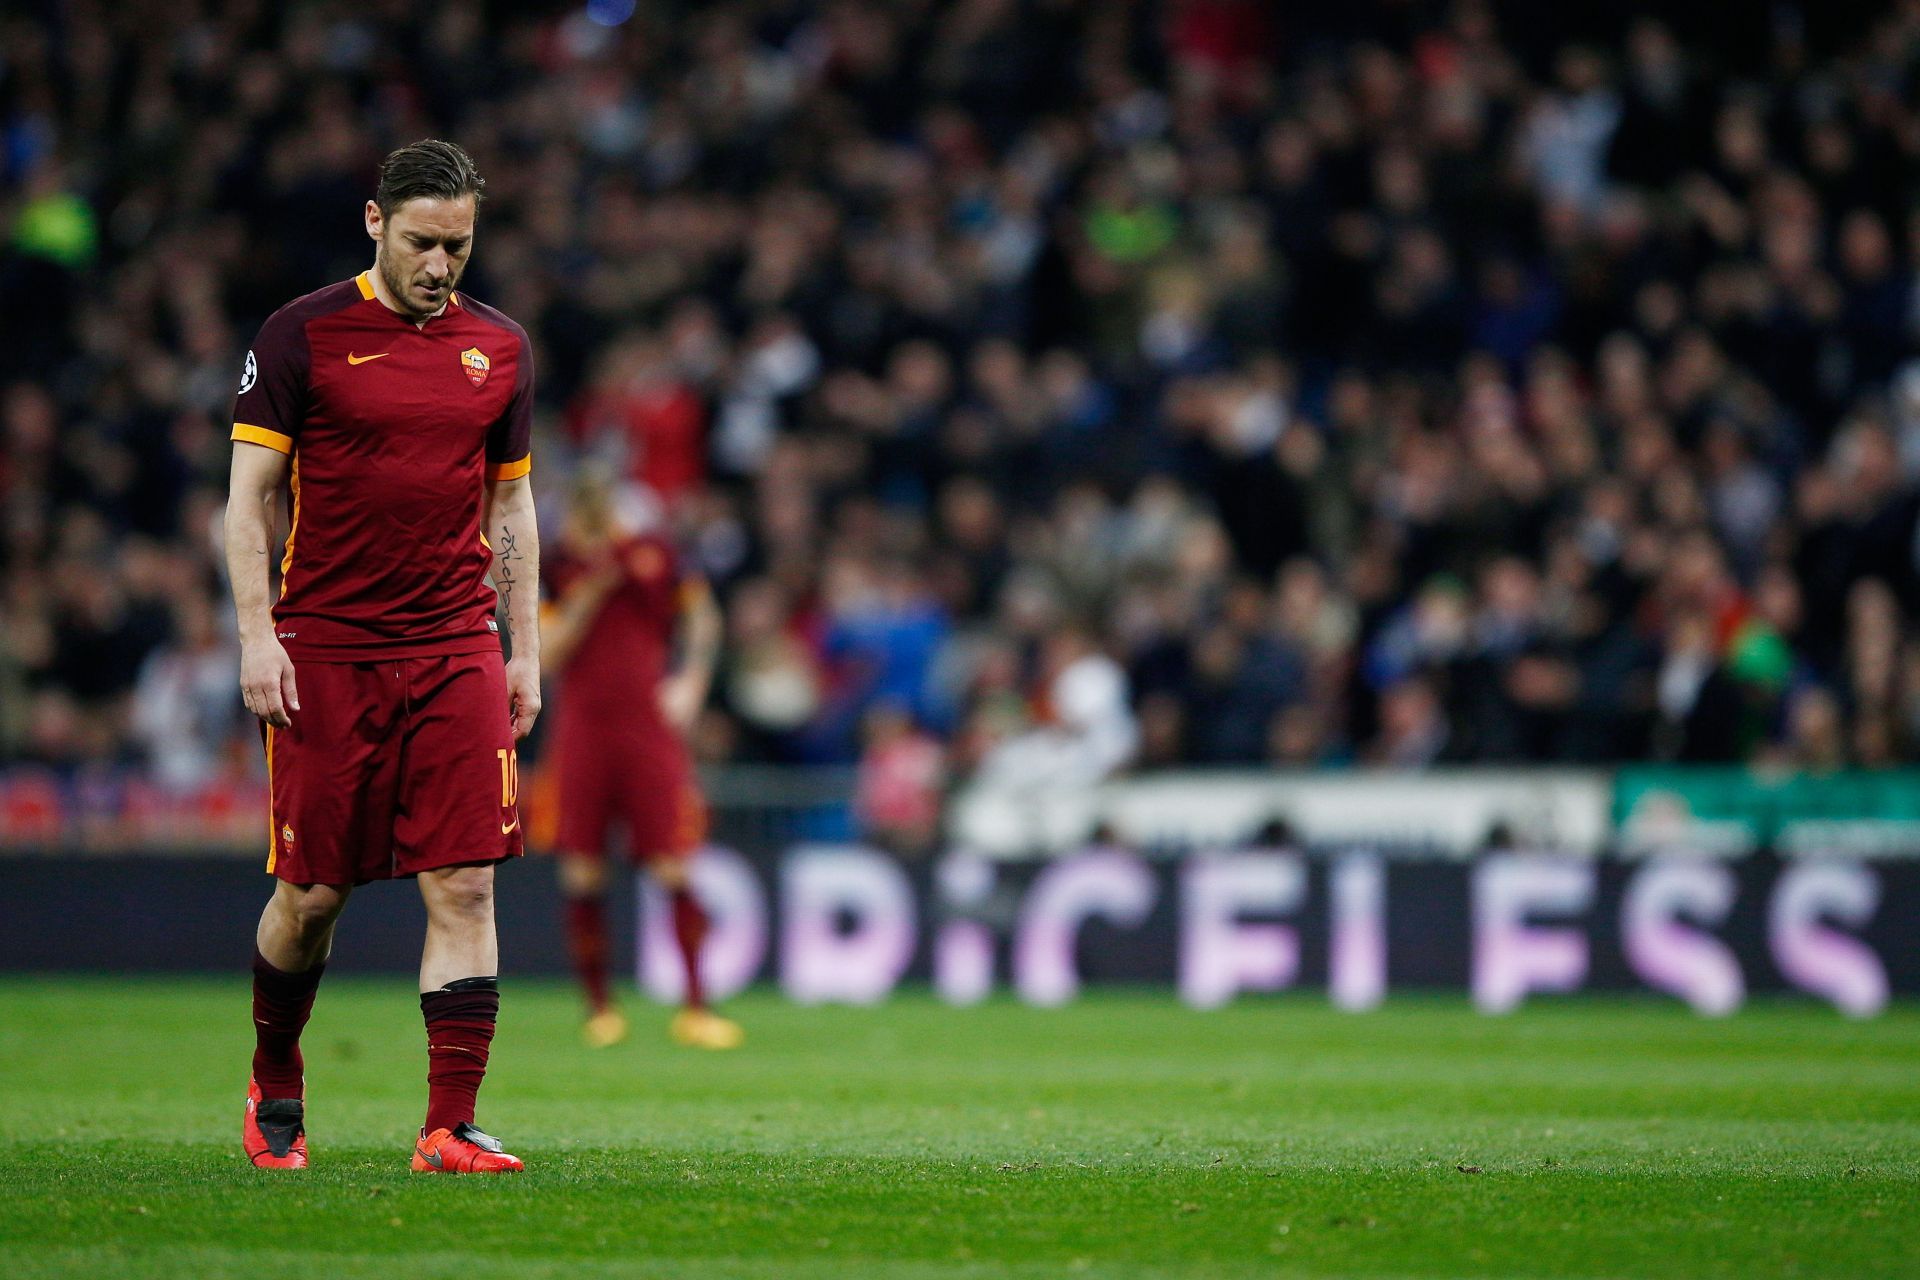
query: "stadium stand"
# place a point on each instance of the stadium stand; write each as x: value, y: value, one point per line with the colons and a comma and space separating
x: 1407, y: 384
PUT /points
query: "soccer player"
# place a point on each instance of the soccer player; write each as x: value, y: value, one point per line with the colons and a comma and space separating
x: 394, y: 412
x: 621, y: 711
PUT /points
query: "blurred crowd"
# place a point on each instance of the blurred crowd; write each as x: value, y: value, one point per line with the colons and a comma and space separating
x: 1047, y: 387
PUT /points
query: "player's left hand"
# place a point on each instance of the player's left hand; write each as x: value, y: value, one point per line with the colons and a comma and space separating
x: 523, y: 695
x: 680, y: 700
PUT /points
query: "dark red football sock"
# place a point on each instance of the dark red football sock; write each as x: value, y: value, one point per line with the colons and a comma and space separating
x: 282, y: 1003
x: 460, y: 1019
x: 690, y: 929
x: 587, y: 944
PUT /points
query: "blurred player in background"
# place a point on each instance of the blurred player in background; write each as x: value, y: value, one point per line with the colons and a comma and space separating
x: 621, y: 607
x: 394, y: 414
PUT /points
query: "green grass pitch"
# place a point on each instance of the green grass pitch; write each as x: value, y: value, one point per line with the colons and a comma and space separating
x: 1122, y: 1136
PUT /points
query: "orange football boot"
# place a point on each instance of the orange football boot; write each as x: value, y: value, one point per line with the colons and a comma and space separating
x: 274, y: 1132
x: 705, y: 1029
x: 462, y: 1149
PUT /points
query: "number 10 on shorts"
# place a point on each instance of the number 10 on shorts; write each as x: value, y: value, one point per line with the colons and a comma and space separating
x: 509, y: 776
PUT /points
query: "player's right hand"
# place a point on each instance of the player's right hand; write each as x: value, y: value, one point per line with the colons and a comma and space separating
x: 598, y: 582
x: 266, y: 681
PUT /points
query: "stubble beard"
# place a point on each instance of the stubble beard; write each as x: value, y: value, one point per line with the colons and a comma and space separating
x: 402, y: 289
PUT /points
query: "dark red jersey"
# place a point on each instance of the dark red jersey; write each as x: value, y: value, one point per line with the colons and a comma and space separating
x: 628, y: 647
x: 392, y: 429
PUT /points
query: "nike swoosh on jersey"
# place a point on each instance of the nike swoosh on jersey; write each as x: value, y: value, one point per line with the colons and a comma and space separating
x: 354, y: 359
x: 507, y: 828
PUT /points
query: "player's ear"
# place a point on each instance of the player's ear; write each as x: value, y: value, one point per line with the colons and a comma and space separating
x: 375, y: 223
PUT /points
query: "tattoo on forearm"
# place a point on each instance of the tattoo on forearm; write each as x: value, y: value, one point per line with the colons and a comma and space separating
x: 507, y: 553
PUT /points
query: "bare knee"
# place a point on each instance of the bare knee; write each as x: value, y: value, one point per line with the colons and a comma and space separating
x: 459, y: 892
x: 582, y: 877
x: 311, y: 909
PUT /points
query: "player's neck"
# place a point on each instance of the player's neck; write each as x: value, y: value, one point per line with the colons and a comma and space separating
x: 386, y: 299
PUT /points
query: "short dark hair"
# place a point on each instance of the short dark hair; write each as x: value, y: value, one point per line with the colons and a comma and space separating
x: 431, y: 169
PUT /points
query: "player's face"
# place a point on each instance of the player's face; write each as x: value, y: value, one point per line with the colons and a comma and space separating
x: 423, y: 248
x: 591, y: 510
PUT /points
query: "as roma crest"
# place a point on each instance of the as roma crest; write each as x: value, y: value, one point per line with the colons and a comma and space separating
x: 475, y: 362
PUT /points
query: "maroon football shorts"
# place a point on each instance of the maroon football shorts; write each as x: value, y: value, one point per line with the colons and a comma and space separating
x: 641, y: 777
x: 394, y: 768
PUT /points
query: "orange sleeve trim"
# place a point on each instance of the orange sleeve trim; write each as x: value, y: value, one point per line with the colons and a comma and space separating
x: 277, y: 441
x: 365, y: 281
x: 509, y: 470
